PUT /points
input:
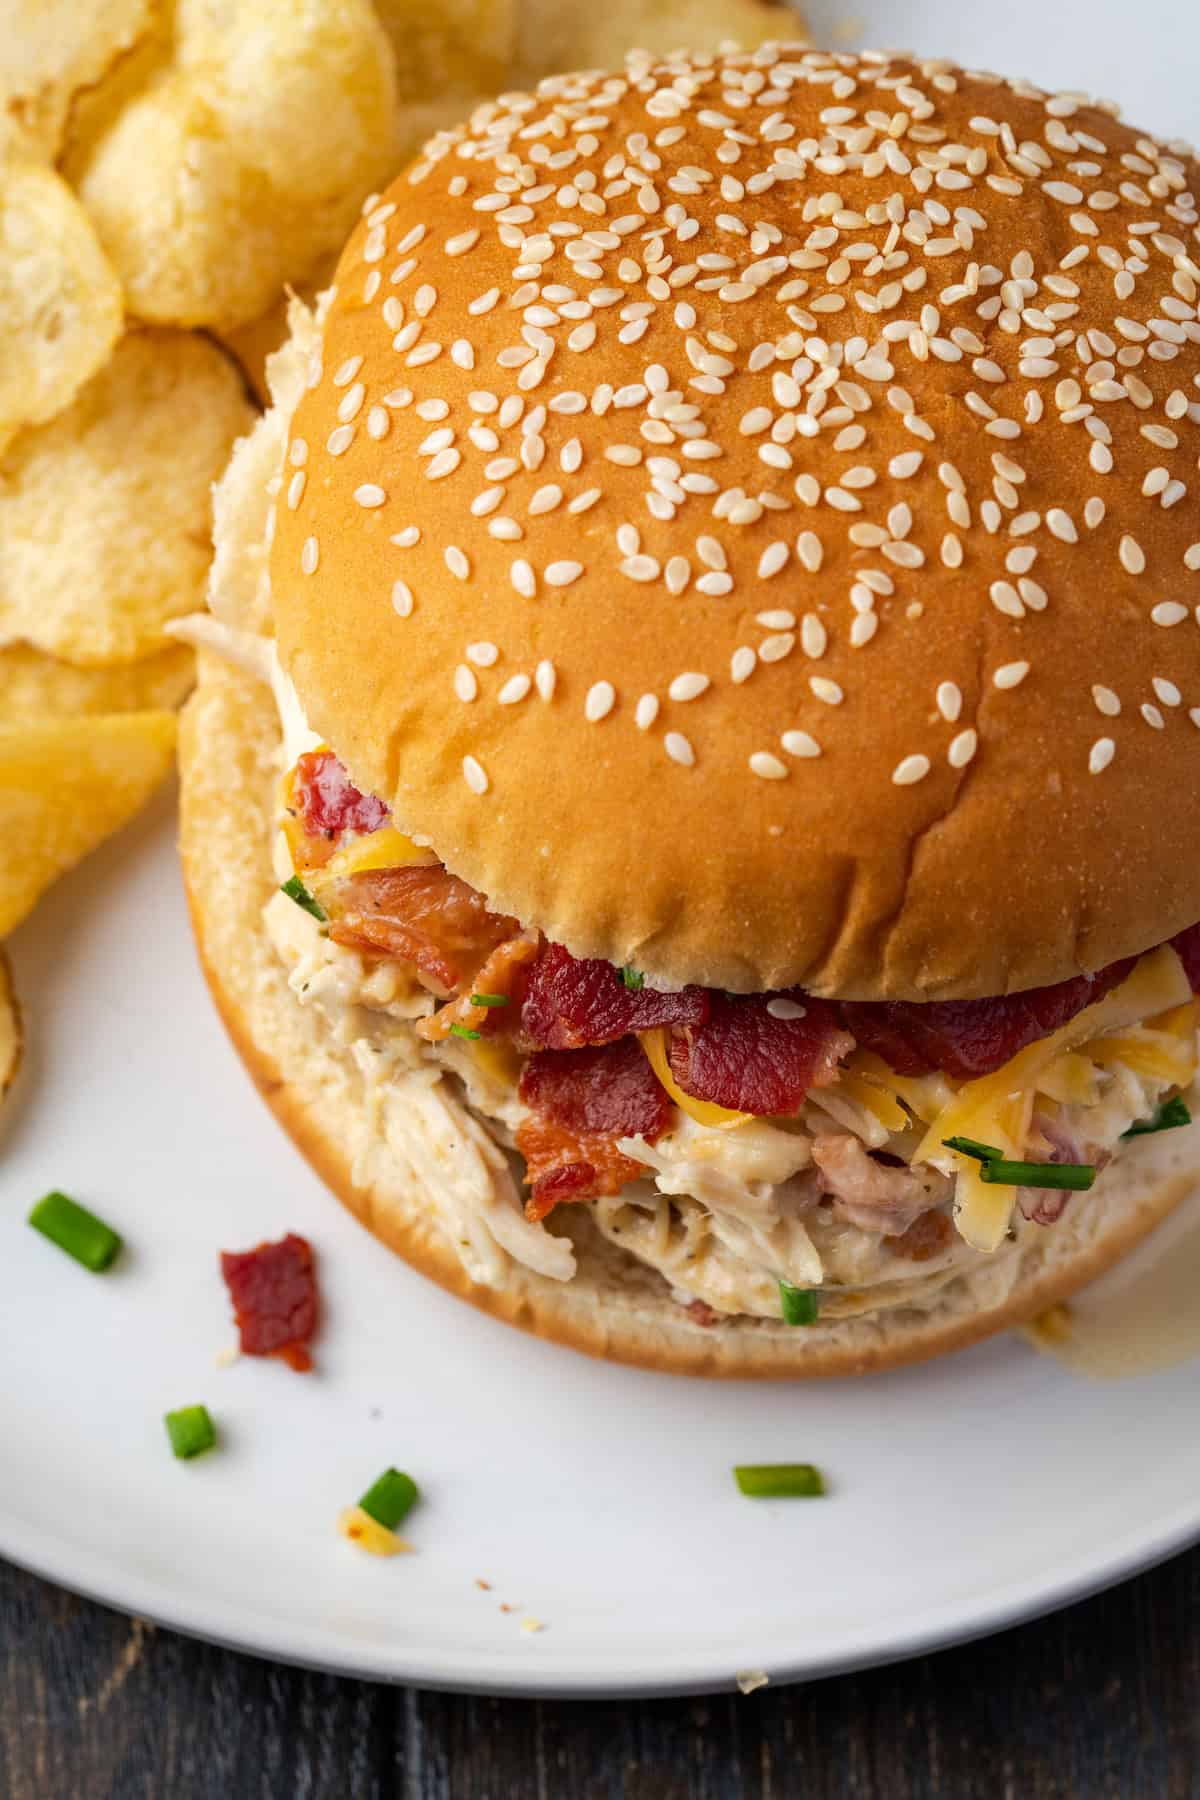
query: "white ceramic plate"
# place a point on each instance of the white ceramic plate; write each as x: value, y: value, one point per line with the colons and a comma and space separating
x: 966, y: 1495
x: 594, y: 1498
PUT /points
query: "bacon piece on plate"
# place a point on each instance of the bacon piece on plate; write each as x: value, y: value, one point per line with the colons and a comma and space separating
x: 274, y: 1294
x: 967, y: 1038
x: 580, y: 1103
x: 570, y: 1002
x: 422, y: 915
x: 326, y: 802
x: 755, y: 1060
x: 1186, y: 945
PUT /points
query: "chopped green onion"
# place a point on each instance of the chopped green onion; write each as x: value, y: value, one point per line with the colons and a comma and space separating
x: 1169, y: 1115
x: 1000, y: 1173
x: 77, y: 1231
x: 972, y: 1147
x: 388, y: 1499
x: 190, y: 1430
x: 633, y: 978
x: 780, y: 1481
x: 489, y: 999
x: 799, y: 1305
x: 295, y: 890
x: 463, y: 1031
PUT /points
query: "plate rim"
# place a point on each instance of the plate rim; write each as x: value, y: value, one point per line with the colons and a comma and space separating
x: 495, y: 1673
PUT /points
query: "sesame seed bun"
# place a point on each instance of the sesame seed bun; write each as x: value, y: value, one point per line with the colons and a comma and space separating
x: 614, y: 1306
x: 745, y: 517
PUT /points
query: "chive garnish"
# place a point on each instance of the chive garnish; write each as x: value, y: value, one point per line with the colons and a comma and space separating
x: 295, y: 890
x: 190, y: 1430
x: 1170, y: 1114
x: 77, y: 1231
x: 972, y: 1147
x: 633, y: 978
x: 1000, y: 1173
x: 798, y: 1305
x: 489, y: 999
x: 463, y: 1031
x: 389, y: 1498
x: 779, y: 1481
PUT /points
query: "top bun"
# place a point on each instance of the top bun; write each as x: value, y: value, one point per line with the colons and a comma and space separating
x: 745, y: 517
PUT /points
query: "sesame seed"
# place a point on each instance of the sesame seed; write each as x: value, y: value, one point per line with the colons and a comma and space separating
x: 466, y: 687
x: 646, y: 711
x: 1152, y: 716
x: 562, y: 574
x: 444, y: 463
x: 310, y: 555
x: 639, y: 568
x: 483, y: 654
x: 475, y: 775
x: 742, y: 664
x: 295, y: 492
x: 825, y: 690
x: 949, y: 701
x: 1100, y: 755
x: 523, y: 579
x: 783, y: 1008
x: 1010, y: 675
x: 1106, y: 701
x: 688, y: 686
x: 910, y: 769
x: 339, y: 440
x: 601, y: 697
x: 1166, y: 691
x: 347, y: 371
x: 545, y: 679
x: 457, y: 562
x: 1132, y: 556
x: 772, y: 559
x: 800, y: 743
x: 514, y: 689
x: 1169, y: 612
x: 962, y: 749
x: 679, y: 749
x: 769, y: 767
x: 402, y: 599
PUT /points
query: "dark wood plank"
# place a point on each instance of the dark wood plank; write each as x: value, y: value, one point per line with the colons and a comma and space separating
x: 1102, y: 1700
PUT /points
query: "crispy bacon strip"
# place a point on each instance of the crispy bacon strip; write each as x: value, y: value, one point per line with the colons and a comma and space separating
x: 570, y: 1002
x: 328, y: 808
x: 422, y: 915
x: 274, y: 1294
x: 580, y: 1103
x: 500, y: 977
x: 750, y: 1060
x: 966, y: 1038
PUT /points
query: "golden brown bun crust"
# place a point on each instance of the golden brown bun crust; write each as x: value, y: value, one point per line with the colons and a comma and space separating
x: 1018, y: 867
x: 614, y: 1307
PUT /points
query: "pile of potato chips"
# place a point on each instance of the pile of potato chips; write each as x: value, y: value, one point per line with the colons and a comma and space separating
x: 168, y: 169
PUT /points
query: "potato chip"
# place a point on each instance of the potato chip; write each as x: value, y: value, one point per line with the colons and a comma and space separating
x: 242, y: 160
x: 65, y: 786
x: 60, y: 303
x: 105, y: 512
x: 448, y: 58
x: 36, y: 686
x: 52, y: 48
x: 11, y: 1034
x: 553, y: 36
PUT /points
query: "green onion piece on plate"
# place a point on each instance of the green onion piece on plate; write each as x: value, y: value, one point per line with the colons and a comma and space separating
x: 633, y: 978
x: 972, y: 1147
x: 463, y: 1031
x: 190, y: 1430
x: 77, y: 1231
x: 295, y: 890
x: 1000, y: 1173
x: 798, y: 1305
x: 489, y: 999
x: 780, y: 1481
x: 390, y: 1498
x: 1170, y: 1114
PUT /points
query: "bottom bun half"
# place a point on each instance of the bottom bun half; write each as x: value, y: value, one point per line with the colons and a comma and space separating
x: 615, y: 1306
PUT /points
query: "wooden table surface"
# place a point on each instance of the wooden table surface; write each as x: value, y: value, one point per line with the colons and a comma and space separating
x: 1102, y: 1700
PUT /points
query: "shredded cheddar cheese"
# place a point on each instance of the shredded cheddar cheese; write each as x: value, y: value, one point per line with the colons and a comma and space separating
x: 705, y: 1112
